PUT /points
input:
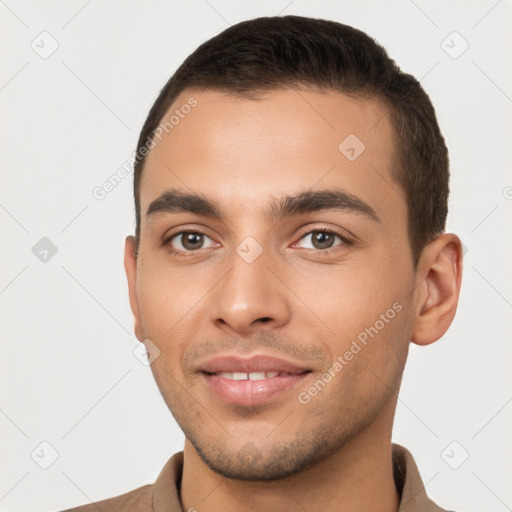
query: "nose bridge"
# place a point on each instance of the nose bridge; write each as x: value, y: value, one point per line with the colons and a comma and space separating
x: 250, y: 295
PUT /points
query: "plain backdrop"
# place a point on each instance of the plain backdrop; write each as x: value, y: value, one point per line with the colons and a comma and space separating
x: 77, y: 79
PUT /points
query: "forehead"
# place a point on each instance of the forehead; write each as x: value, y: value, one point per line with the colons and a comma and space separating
x: 240, y: 152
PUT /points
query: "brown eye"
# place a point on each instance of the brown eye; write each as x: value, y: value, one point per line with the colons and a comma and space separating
x: 323, y: 239
x: 188, y: 241
x: 192, y: 241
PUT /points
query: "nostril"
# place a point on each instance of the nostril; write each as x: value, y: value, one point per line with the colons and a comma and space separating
x: 265, y: 319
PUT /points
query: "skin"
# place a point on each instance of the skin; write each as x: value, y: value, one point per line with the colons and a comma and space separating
x: 334, y: 452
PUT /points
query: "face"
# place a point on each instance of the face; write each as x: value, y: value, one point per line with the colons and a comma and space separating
x: 279, y: 292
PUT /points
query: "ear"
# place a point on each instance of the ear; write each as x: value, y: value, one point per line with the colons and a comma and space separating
x: 439, y: 275
x: 130, y: 266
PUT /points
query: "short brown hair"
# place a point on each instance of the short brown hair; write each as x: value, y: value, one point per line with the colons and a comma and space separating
x: 279, y: 52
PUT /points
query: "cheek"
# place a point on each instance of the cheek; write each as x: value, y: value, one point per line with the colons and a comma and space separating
x: 157, y: 304
x: 367, y: 314
x: 369, y: 363
x: 165, y: 297
x: 351, y: 297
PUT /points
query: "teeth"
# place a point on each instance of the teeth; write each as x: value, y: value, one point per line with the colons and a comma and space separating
x: 251, y: 375
x: 256, y: 375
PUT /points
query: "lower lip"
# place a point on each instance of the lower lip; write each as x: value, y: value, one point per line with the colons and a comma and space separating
x: 251, y: 392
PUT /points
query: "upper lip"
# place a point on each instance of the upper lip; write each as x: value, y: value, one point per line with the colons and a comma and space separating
x: 255, y: 363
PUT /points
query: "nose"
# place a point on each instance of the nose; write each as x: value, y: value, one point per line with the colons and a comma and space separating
x: 250, y: 297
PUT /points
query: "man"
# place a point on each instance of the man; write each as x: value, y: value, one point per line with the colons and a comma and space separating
x: 291, y: 188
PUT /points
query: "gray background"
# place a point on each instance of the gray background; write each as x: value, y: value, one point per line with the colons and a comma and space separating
x: 68, y: 376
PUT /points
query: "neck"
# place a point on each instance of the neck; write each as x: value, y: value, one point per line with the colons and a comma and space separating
x: 357, y: 477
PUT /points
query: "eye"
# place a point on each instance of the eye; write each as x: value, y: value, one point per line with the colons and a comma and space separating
x: 188, y: 241
x: 323, y: 239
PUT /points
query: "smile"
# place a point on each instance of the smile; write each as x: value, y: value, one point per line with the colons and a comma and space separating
x: 252, y: 388
x: 251, y: 375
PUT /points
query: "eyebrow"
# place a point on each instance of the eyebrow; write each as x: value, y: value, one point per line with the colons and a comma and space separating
x: 176, y: 201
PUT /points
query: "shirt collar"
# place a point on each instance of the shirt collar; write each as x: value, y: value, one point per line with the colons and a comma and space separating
x: 410, y: 486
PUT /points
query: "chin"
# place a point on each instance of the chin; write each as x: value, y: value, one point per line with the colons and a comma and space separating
x: 251, y: 463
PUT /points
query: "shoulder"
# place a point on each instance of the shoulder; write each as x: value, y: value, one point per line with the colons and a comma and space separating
x: 140, y: 499
x: 163, y: 494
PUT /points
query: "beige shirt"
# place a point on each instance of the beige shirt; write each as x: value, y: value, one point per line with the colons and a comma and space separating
x: 162, y: 496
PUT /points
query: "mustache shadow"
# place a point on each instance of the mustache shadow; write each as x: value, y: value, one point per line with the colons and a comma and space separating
x: 279, y: 346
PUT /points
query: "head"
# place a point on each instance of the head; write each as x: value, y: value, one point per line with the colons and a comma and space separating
x: 291, y: 188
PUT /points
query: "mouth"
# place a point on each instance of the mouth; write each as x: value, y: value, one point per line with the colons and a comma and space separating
x: 251, y: 381
x: 251, y: 375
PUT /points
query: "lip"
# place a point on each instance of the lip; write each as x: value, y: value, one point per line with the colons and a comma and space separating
x: 251, y: 392
x: 256, y: 363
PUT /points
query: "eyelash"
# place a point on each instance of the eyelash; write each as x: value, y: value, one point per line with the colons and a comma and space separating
x: 177, y: 253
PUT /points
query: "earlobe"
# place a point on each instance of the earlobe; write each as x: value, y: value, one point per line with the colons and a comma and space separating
x: 437, y: 293
x: 130, y: 266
